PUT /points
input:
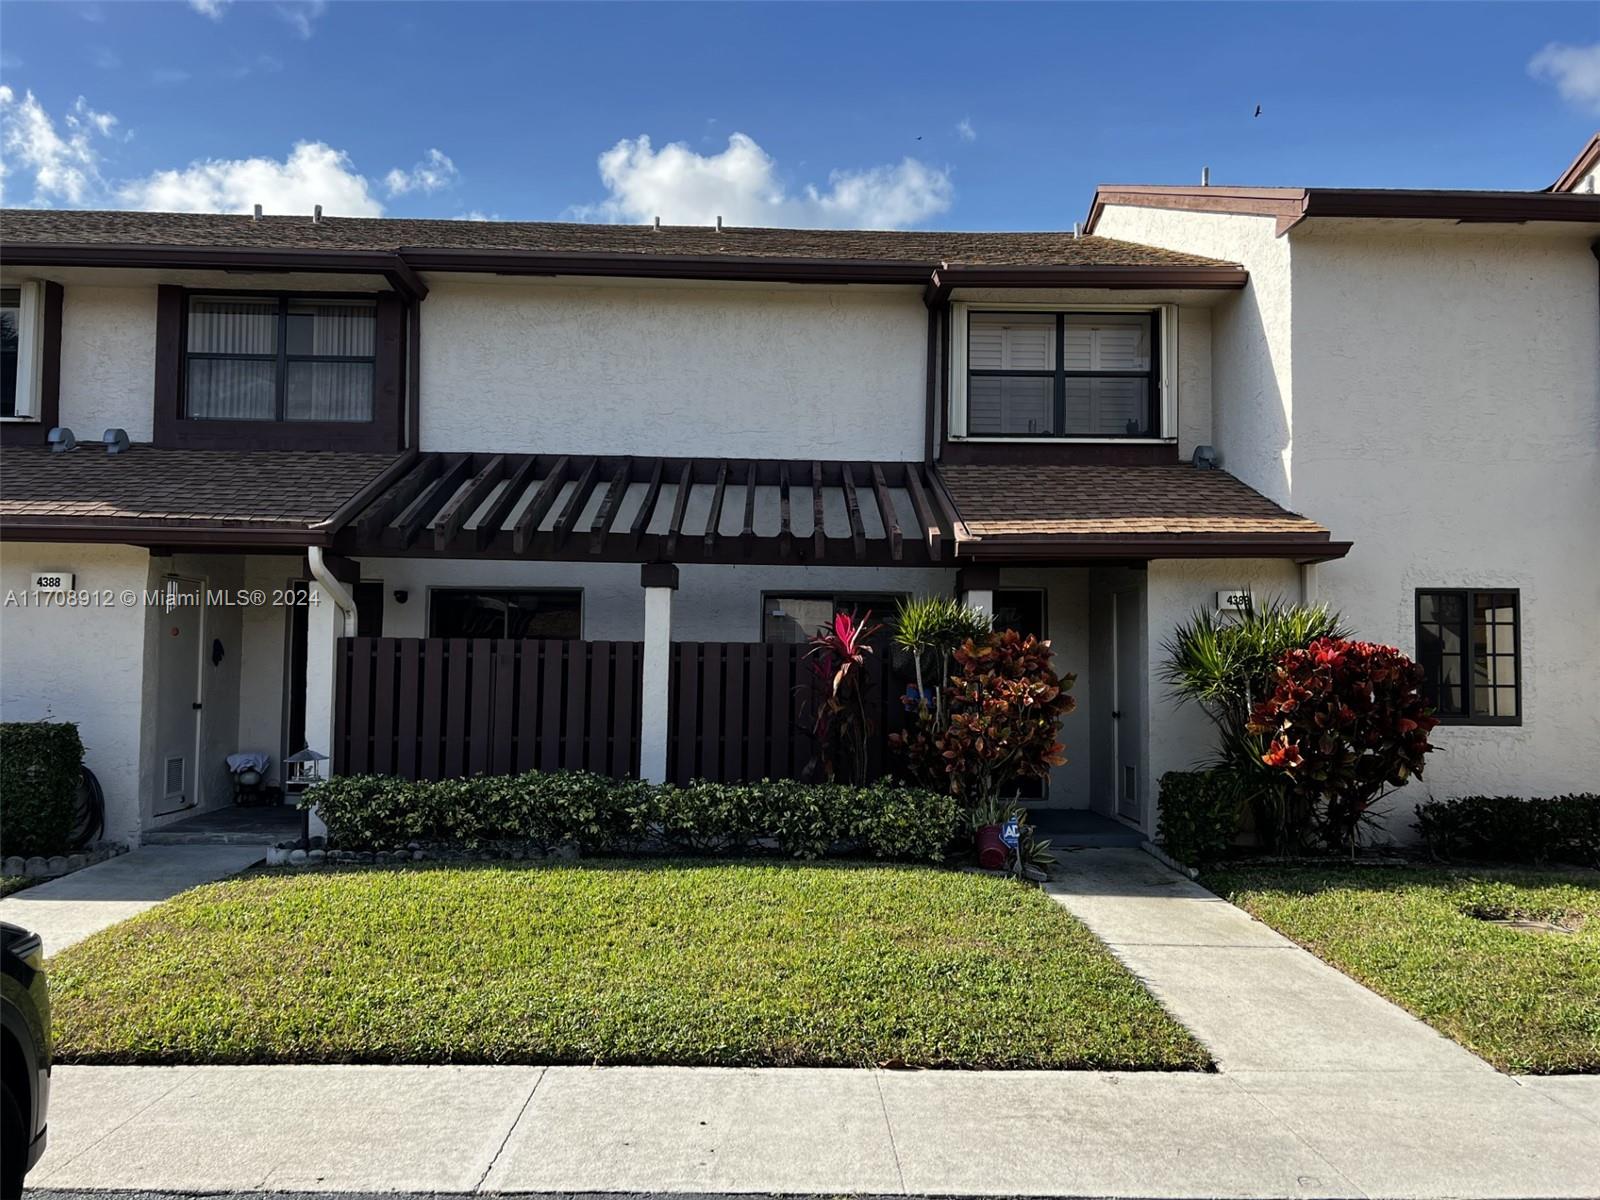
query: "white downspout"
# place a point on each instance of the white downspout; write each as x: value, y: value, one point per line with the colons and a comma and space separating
x: 337, y: 592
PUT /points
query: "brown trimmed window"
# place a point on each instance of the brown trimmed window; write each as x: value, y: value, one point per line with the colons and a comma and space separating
x: 278, y: 358
x: 1063, y: 374
x: 794, y: 618
x: 505, y: 613
x: 1469, y: 647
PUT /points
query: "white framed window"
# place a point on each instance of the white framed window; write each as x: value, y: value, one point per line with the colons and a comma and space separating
x: 21, y: 350
x: 1034, y: 372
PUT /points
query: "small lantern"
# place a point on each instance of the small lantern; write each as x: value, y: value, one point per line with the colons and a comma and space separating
x: 305, y: 768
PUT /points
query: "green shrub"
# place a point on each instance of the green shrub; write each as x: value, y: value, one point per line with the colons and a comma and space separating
x: 41, y: 763
x: 1198, y: 814
x: 607, y: 816
x: 1512, y: 829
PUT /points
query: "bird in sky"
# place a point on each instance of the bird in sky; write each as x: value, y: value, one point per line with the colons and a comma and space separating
x: 1258, y: 110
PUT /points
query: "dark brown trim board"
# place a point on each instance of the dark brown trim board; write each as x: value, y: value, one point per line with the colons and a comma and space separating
x: 207, y: 535
x: 947, y: 278
x: 1042, y: 551
x: 1290, y: 206
x: 36, y: 432
x: 1588, y: 158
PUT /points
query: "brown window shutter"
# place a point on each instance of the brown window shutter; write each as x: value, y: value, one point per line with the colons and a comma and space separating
x: 169, y: 364
x: 389, y: 371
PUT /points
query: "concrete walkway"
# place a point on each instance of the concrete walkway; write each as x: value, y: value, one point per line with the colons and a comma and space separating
x: 69, y: 909
x: 1324, y: 1090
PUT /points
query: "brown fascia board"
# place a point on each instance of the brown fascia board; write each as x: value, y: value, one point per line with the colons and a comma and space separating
x: 1063, y: 547
x: 1290, y: 206
x: 947, y: 278
x: 742, y: 268
x: 401, y: 276
x: 1580, y: 166
x: 215, y: 536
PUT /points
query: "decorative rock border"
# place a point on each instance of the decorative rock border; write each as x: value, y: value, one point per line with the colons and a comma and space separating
x: 293, y: 854
x: 57, y: 865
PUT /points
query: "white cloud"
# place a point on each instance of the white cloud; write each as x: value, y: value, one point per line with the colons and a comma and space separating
x: 741, y: 185
x: 65, y: 167
x: 210, y: 8
x: 302, y: 17
x: 62, y: 161
x: 314, y: 173
x: 1575, y: 70
x: 435, y: 171
x: 965, y: 131
x: 477, y: 214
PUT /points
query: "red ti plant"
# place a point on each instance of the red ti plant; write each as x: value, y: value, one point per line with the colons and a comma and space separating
x: 1346, y: 723
x: 838, y: 660
x: 1003, y: 710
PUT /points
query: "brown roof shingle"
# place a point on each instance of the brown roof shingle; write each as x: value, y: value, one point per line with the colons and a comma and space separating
x: 243, y: 489
x: 1016, y: 501
x: 1046, y: 249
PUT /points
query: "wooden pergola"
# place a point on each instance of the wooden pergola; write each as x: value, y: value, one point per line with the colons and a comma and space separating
x: 613, y: 508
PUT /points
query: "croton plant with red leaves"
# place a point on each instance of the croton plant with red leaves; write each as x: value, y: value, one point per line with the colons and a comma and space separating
x: 1003, y: 709
x: 1346, y: 723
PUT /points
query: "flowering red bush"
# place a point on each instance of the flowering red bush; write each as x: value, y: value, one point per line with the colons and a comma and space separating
x: 1346, y: 723
x: 1003, y: 709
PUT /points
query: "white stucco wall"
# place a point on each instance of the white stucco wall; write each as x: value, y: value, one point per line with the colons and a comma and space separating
x: 545, y: 366
x: 1251, y: 396
x: 1448, y: 392
x: 263, y: 632
x: 108, y: 360
x: 80, y: 664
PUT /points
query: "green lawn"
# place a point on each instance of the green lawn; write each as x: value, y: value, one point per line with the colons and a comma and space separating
x: 1525, y: 999
x: 625, y: 962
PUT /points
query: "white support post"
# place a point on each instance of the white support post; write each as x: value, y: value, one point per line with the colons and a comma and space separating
x: 660, y: 580
x: 324, y: 626
x: 1308, y: 583
x: 981, y: 599
x: 975, y: 586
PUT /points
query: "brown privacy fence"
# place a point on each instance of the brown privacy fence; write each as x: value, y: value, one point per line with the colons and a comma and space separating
x: 439, y: 708
x: 745, y: 710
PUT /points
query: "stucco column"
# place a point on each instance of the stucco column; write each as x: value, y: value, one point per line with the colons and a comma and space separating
x: 1308, y: 583
x: 324, y: 626
x: 975, y: 587
x: 659, y: 580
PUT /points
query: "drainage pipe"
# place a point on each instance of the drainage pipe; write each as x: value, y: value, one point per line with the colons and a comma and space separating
x: 337, y: 592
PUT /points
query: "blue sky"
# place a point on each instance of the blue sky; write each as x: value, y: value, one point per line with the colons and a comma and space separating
x: 1001, y: 117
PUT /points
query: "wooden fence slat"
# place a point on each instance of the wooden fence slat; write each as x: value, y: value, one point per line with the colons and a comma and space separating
x: 433, y: 679
x: 383, y: 707
x: 710, y: 756
x: 503, y: 735
x: 624, y: 707
x: 577, y: 673
x: 780, y: 721
x: 527, y: 724
x: 554, y: 675
x: 361, y: 705
x: 595, y: 751
x: 458, y: 651
x: 410, y: 698
x: 480, y: 663
x: 340, y: 752
x: 686, y: 713
x: 758, y: 707
x: 734, y: 729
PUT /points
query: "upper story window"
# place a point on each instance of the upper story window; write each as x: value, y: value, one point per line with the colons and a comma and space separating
x: 278, y: 358
x: 20, y: 331
x: 1061, y: 374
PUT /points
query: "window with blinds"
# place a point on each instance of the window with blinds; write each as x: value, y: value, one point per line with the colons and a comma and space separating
x: 278, y: 358
x: 1064, y: 374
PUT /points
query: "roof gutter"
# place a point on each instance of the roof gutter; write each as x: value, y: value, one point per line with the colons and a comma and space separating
x: 1074, y: 547
x: 741, y: 268
x: 947, y: 278
x: 395, y: 270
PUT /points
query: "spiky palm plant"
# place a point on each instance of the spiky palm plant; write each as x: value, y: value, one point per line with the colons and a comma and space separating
x: 931, y: 629
x: 1225, y: 665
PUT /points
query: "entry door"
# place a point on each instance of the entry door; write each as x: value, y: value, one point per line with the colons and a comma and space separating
x: 178, y: 707
x: 1128, y: 705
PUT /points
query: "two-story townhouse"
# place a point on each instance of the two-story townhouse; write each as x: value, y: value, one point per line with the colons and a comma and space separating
x: 437, y: 497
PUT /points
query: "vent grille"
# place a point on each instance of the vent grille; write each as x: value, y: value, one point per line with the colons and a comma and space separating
x: 1130, y: 784
x: 174, y: 777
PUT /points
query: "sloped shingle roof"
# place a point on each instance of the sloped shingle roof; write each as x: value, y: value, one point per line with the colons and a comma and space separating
x: 215, y: 230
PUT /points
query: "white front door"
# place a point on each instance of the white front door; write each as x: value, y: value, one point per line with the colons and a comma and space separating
x: 1128, y: 702
x: 178, y: 702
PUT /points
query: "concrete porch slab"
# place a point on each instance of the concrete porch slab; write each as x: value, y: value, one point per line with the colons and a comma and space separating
x: 69, y: 909
x: 642, y: 1129
x: 236, y: 825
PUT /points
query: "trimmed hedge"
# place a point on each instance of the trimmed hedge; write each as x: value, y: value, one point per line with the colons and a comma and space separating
x: 1198, y: 815
x: 600, y: 815
x: 41, y: 763
x: 1511, y: 829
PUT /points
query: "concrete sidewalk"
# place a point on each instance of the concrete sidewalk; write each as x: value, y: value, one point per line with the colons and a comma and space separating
x: 69, y: 909
x: 1324, y: 1089
x: 671, y: 1129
